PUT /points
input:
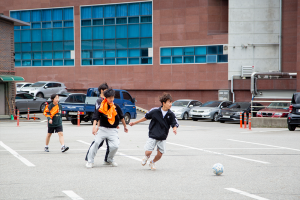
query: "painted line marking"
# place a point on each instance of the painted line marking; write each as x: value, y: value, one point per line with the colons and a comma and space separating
x: 118, y: 153
x: 220, y: 153
x: 264, y: 145
x: 43, y: 121
x: 72, y: 195
x: 245, y: 194
x: 24, y: 160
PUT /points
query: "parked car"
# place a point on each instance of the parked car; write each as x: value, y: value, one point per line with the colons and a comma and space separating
x: 21, y: 85
x: 275, y: 109
x: 69, y: 98
x: 182, y: 107
x: 293, y: 119
x: 45, y: 89
x: 24, y: 101
x: 232, y: 113
x: 87, y: 108
x: 209, y: 110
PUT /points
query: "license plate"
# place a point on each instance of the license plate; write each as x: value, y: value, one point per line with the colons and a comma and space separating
x: 72, y: 113
x: 224, y: 116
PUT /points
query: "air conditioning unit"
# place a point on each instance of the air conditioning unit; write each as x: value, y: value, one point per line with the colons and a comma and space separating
x: 223, y: 95
x: 247, y: 71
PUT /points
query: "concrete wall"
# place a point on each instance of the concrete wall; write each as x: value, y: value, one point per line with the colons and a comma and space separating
x: 253, y: 22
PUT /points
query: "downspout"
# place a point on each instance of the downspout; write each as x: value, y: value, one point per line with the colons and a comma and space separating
x: 233, y: 97
x: 280, y: 36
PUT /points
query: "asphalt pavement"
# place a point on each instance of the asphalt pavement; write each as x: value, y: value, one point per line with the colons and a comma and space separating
x: 258, y: 164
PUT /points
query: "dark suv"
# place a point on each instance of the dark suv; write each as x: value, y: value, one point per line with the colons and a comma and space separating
x: 293, y: 119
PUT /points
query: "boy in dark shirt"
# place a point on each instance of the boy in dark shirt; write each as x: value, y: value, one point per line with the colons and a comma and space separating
x: 161, y: 120
x: 53, y: 114
x: 110, y: 115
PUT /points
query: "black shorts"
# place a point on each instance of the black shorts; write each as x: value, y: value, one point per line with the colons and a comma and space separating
x: 55, y: 129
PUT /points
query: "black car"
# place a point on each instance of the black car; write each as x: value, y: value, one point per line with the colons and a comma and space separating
x: 293, y: 119
x: 232, y: 113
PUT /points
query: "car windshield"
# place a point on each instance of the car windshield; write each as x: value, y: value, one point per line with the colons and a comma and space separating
x: 180, y: 103
x: 211, y: 104
x: 62, y: 99
x: 278, y: 105
x: 19, y: 85
x: 241, y: 105
x: 38, y: 84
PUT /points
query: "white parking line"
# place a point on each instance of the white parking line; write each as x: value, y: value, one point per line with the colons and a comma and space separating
x: 245, y: 194
x: 118, y: 153
x: 24, y: 160
x: 220, y: 153
x: 264, y: 144
x: 72, y: 195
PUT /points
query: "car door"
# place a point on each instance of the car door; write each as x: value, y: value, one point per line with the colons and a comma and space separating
x: 56, y: 87
x: 49, y: 90
x: 21, y: 103
x: 32, y: 104
x: 127, y: 102
x: 198, y: 103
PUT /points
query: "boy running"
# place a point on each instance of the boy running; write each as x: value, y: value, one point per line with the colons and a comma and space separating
x: 110, y: 115
x: 96, y: 121
x: 161, y: 120
x: 53, y: 114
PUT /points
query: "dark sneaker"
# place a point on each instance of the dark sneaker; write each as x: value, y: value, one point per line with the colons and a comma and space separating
x: 63, y: 149
x: 47, y: 149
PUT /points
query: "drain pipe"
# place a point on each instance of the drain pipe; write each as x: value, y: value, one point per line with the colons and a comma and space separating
x: 280, y: 37
x: 255, y: 74
x: 233, y: 97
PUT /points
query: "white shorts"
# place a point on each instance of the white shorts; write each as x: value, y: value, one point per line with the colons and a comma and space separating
x: 151, y: 143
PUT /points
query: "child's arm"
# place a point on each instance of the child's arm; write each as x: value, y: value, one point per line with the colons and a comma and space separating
x: 136, y: 122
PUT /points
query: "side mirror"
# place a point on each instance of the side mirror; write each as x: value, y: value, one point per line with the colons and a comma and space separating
x: 34, y: 98
x: 222, y: 107
x: 190, y: 106
x: 45, y: 86
x: 133, y: 100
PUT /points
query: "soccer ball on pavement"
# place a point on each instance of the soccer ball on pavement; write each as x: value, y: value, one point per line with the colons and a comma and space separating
x: 218, y: 169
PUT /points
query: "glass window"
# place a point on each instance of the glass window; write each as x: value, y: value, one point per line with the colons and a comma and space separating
x: 37, y: 55
x: 133, y: 20
x: 58, y: 34
x: 146, y: 8
x: 25, y: 16
x: 47, y: 35
x: 211, y: 58
x: 177, y: 60
x: 26, y: 47
x: 109, y: 11
x: 47, y: 62
x: 36, y: 16
x: 97, y: 12
x: 122, y: 53
x: 86, y: 12
x: 109, y: 21
x: 17, y: 36
x: 146, y: 42
x: 26, y: 63
x: 109, y: 44
x: 69, y: 45
x: 47, y: 55
x: 188, y: 59
x: 69, y: 62
x: 26, y: 56
x: 222, y: 58
x: 98, y: 22
x: 109, y: 61
x: 146, y: 60
x: 67, y: 54
x: 134, y: 43
x: 144, y: 52
x: 25, y: 36
x: 57, y: 24
x: 133, y: 9
x: 134, y: 61
x: 17, y: 56
x: 121, y: 21
x: 121, y: 10
x: 86, y: 44
x: 133, y: 31
x: 58, y: 54
x: 47, y: 46
x: 68, y: 14
x: 86, y: 33
x: 58, y: 46
x: 36, y: 63
x: 36, y: 35
x: 166, y: 60
x: 86, y: 62
x: 36, y: 46
x: 68, y: 23
x: 98, y: 54
x: 146, y: 30
x: 57, y: 14
x: 122, y: 31
x: 109, y: 32
x: 212, y: 49
x: 122, y: 61
x: 121, y: 44
x: 98, y: 32
x: 126, y: 96
x: 146, y: 19
x: 110, y: 54
x: 200, y: 59
x: 98, y: 61
x: 134, y: 53
x: 165, y: 52
x: 177, y: 51
x: 200, y: 50
x: 68, y: 34
x: 86, y: 22
x: 35, y: 25
x: 58, y: 62
x: 97, y: 44
x: 188, y: 51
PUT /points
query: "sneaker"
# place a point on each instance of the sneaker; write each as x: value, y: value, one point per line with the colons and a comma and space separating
x: 64, y: 149
x: 106, y: 163
x: 152, y: 165
x: 89, y: 165
x: 144, y: 161
x: 114, y: 164
x: 47, y: 149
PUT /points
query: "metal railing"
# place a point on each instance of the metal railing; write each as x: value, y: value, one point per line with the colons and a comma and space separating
x: 269, y: 106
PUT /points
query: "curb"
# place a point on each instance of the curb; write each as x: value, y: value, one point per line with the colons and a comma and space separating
x: 141, y: 109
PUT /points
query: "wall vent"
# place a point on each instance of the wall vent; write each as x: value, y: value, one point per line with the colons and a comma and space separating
x: 247, y: 71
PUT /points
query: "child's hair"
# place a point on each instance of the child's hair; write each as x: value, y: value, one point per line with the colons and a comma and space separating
x: 109, y: 93
x: 165, y: 97
x: 53, y: 96
x: 103, y: 87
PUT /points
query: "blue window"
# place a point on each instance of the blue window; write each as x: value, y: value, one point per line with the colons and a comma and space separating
x: 49, y: 36
x: 197, y: 54
x: 17, y: 56
x: 118, y: 34
x: 67, y: 54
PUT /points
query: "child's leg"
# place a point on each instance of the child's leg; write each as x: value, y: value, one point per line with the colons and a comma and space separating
x: 148, y: 153
x: 61, y: 138
x: 158, y: 156
x: 48, y: 138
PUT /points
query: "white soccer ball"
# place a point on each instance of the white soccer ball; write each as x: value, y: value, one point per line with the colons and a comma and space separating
x: 218, y: 169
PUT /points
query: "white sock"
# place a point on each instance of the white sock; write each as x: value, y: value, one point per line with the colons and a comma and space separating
x: 46, y: 146
x: 62, y: 145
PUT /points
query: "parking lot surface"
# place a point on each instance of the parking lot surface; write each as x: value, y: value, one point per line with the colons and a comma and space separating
x: 258, y: 164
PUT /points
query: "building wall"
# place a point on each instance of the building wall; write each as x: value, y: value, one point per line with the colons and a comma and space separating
x: 7, y: 66
x: 253, y: 25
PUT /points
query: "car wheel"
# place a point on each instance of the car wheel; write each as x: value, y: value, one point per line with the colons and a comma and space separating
x: 185, y: 116
x: 291, y: 127
x: 40, y: 95
x: 194, y: 119
x: 127, y: 118
x: 42, y: 107
x: 222, y: 121
x: 74, y: 121
x: 215, y: 118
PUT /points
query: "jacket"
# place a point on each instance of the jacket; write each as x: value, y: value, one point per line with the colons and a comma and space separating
x: 53, y: 112
x: 159, y: 125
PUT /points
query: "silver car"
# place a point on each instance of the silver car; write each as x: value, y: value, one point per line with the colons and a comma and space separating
x: 21, y: 85
x: 209, y: 110
x: 25, y: 101
x: 182, y: 107
x: 45, y: 89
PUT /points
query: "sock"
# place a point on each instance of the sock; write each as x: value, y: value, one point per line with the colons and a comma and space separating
x: 46, y: 146
x: 63, y: 145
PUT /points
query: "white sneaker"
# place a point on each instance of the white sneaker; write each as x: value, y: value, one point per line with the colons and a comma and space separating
x: 114, y: 164
x: 106, y: 163
x: 144, y: 161
x: 152, y: 165
x: 89, y: 165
